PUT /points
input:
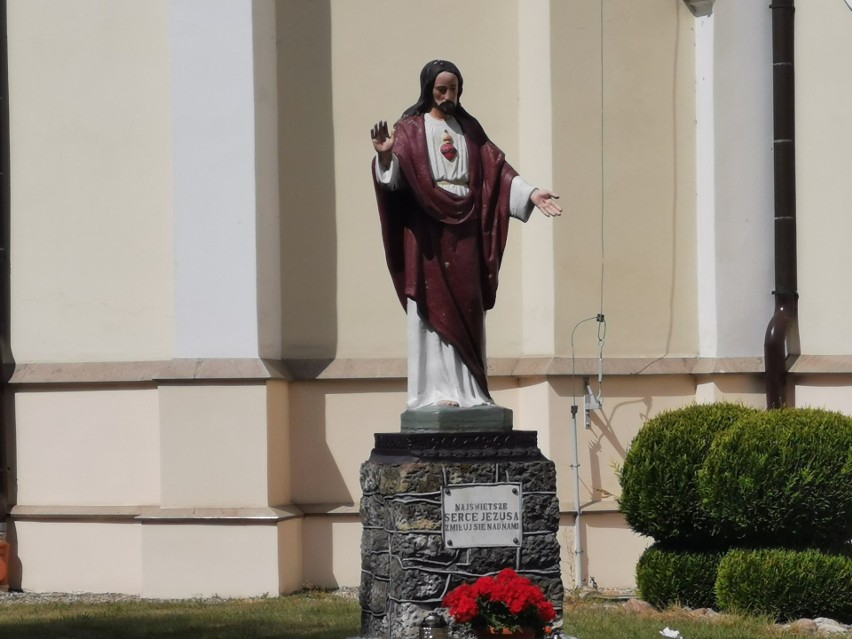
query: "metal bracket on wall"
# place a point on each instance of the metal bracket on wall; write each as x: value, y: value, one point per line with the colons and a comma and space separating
x: 590, y: 402
x: 702, y: 8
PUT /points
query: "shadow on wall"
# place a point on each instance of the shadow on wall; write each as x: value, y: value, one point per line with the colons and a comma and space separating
x: 332, y: 426
x: 330, y: 551
x: 332, y: 423
x: 611, y: 550
x: 306, y: 179
x: 628, y: 402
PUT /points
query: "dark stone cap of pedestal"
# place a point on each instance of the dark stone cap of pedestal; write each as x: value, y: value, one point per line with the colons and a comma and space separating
x: 505, y: 446
x: 454, y: 419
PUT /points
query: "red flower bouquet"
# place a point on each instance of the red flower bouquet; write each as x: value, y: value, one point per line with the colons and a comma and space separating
x: 506, y: 602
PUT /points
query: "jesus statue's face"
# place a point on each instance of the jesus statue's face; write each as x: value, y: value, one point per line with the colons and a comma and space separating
x: 445, y: 95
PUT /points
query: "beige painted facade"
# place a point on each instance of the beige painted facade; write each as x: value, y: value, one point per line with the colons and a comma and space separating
x: 204, y: 331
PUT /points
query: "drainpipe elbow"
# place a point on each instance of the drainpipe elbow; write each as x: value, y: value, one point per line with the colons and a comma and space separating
x: 775, y: 348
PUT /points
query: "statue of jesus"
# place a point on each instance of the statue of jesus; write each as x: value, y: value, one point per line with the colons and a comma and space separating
x: 445, y: 194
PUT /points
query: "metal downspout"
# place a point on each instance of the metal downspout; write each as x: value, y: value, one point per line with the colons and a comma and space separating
x: 7, y: 365
x: 579, y: 577
x: 778, y: 333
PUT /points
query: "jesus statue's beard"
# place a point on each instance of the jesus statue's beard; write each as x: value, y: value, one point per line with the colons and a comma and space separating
x: 447, y: 107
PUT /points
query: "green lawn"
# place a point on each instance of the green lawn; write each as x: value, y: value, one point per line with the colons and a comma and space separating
x: 313, y: 615
x: 309, y: 615
x: 595, y: 621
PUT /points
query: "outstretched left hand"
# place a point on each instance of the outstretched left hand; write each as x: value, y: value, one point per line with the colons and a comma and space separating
x: 545, y: 201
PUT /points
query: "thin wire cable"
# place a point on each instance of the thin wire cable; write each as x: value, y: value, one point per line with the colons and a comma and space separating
x: 601, y: 317
x: 574, y: 359
x: 603, y: 155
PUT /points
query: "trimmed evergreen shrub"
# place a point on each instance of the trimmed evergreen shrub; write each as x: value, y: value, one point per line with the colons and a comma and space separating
x: 782, y: 478
x: 659, y: 478
x: 676, y: 576
x: 786, y: 584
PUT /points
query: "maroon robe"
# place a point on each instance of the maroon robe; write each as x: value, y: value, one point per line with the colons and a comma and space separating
x: 443, y: 250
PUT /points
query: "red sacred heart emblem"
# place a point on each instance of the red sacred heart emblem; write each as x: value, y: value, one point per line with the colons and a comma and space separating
x: 449, y: 151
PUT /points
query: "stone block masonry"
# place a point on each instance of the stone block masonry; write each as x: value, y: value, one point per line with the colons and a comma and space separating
x: 407, y: 565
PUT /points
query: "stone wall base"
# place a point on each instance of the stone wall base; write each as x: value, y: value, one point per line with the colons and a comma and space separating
x: 407, y: 568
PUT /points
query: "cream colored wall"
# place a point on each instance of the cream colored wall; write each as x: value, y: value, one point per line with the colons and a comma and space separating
x: 77, y: 557
x: 205, y: 561
x: 306, y: 141
x: 131, y: 469
x: 215, y: 446
x: 535, y: 126
x: 611, y: 550
x: 331, y: 547
x: 291, y: 555
x: 331, y: 426
x: 331, y: 229
x: 627, y: 404
x: 823, y: 165
x: 91, y: 192
x: 831, y: 392
x: 749, y: 390
x: 87, y: 448
x: 648, y: 175
x: 279, y: 451
x: 92, y: 187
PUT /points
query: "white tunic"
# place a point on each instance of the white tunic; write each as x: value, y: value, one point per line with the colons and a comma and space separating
x: 436, y: 372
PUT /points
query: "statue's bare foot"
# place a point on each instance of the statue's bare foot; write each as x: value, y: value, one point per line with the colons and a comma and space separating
x: 446, y: 402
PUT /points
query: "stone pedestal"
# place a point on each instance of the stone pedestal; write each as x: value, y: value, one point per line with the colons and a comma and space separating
x: 407, y: 566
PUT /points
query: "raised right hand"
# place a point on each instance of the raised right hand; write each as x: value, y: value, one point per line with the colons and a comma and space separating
x: 382, y: 142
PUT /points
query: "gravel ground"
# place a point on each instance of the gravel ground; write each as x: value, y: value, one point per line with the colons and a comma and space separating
x: 15, y: 597
x: 346, y: 592
x: 19, y: 597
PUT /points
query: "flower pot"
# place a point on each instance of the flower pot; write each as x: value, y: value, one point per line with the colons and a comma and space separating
x: 490, y: 633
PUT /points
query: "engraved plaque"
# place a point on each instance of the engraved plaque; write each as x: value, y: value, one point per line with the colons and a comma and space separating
x: 482, y: 515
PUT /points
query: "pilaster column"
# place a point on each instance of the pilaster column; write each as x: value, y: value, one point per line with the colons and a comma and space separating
x: 735, y: 188
x: 224, y: 112
x: 536, y: 162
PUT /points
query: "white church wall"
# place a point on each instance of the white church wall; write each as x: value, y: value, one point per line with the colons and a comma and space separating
x: 227, y: 297
x: 741, y: 242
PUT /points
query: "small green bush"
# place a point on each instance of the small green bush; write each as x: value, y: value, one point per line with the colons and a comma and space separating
x: 659, y: 478
x: 677, y: 576
x: 781, y: 478
x: 786, y: 584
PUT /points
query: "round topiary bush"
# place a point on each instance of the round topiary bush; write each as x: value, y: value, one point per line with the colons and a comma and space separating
x: 786, y: 584
x: 666, y: 577
x: 659, y: 477
x: 782, y: 478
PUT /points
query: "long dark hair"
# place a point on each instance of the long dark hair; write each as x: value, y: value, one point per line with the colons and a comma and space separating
x: 427, y: 83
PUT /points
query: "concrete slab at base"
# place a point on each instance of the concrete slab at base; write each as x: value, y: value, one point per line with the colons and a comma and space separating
x: 456, y: 419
